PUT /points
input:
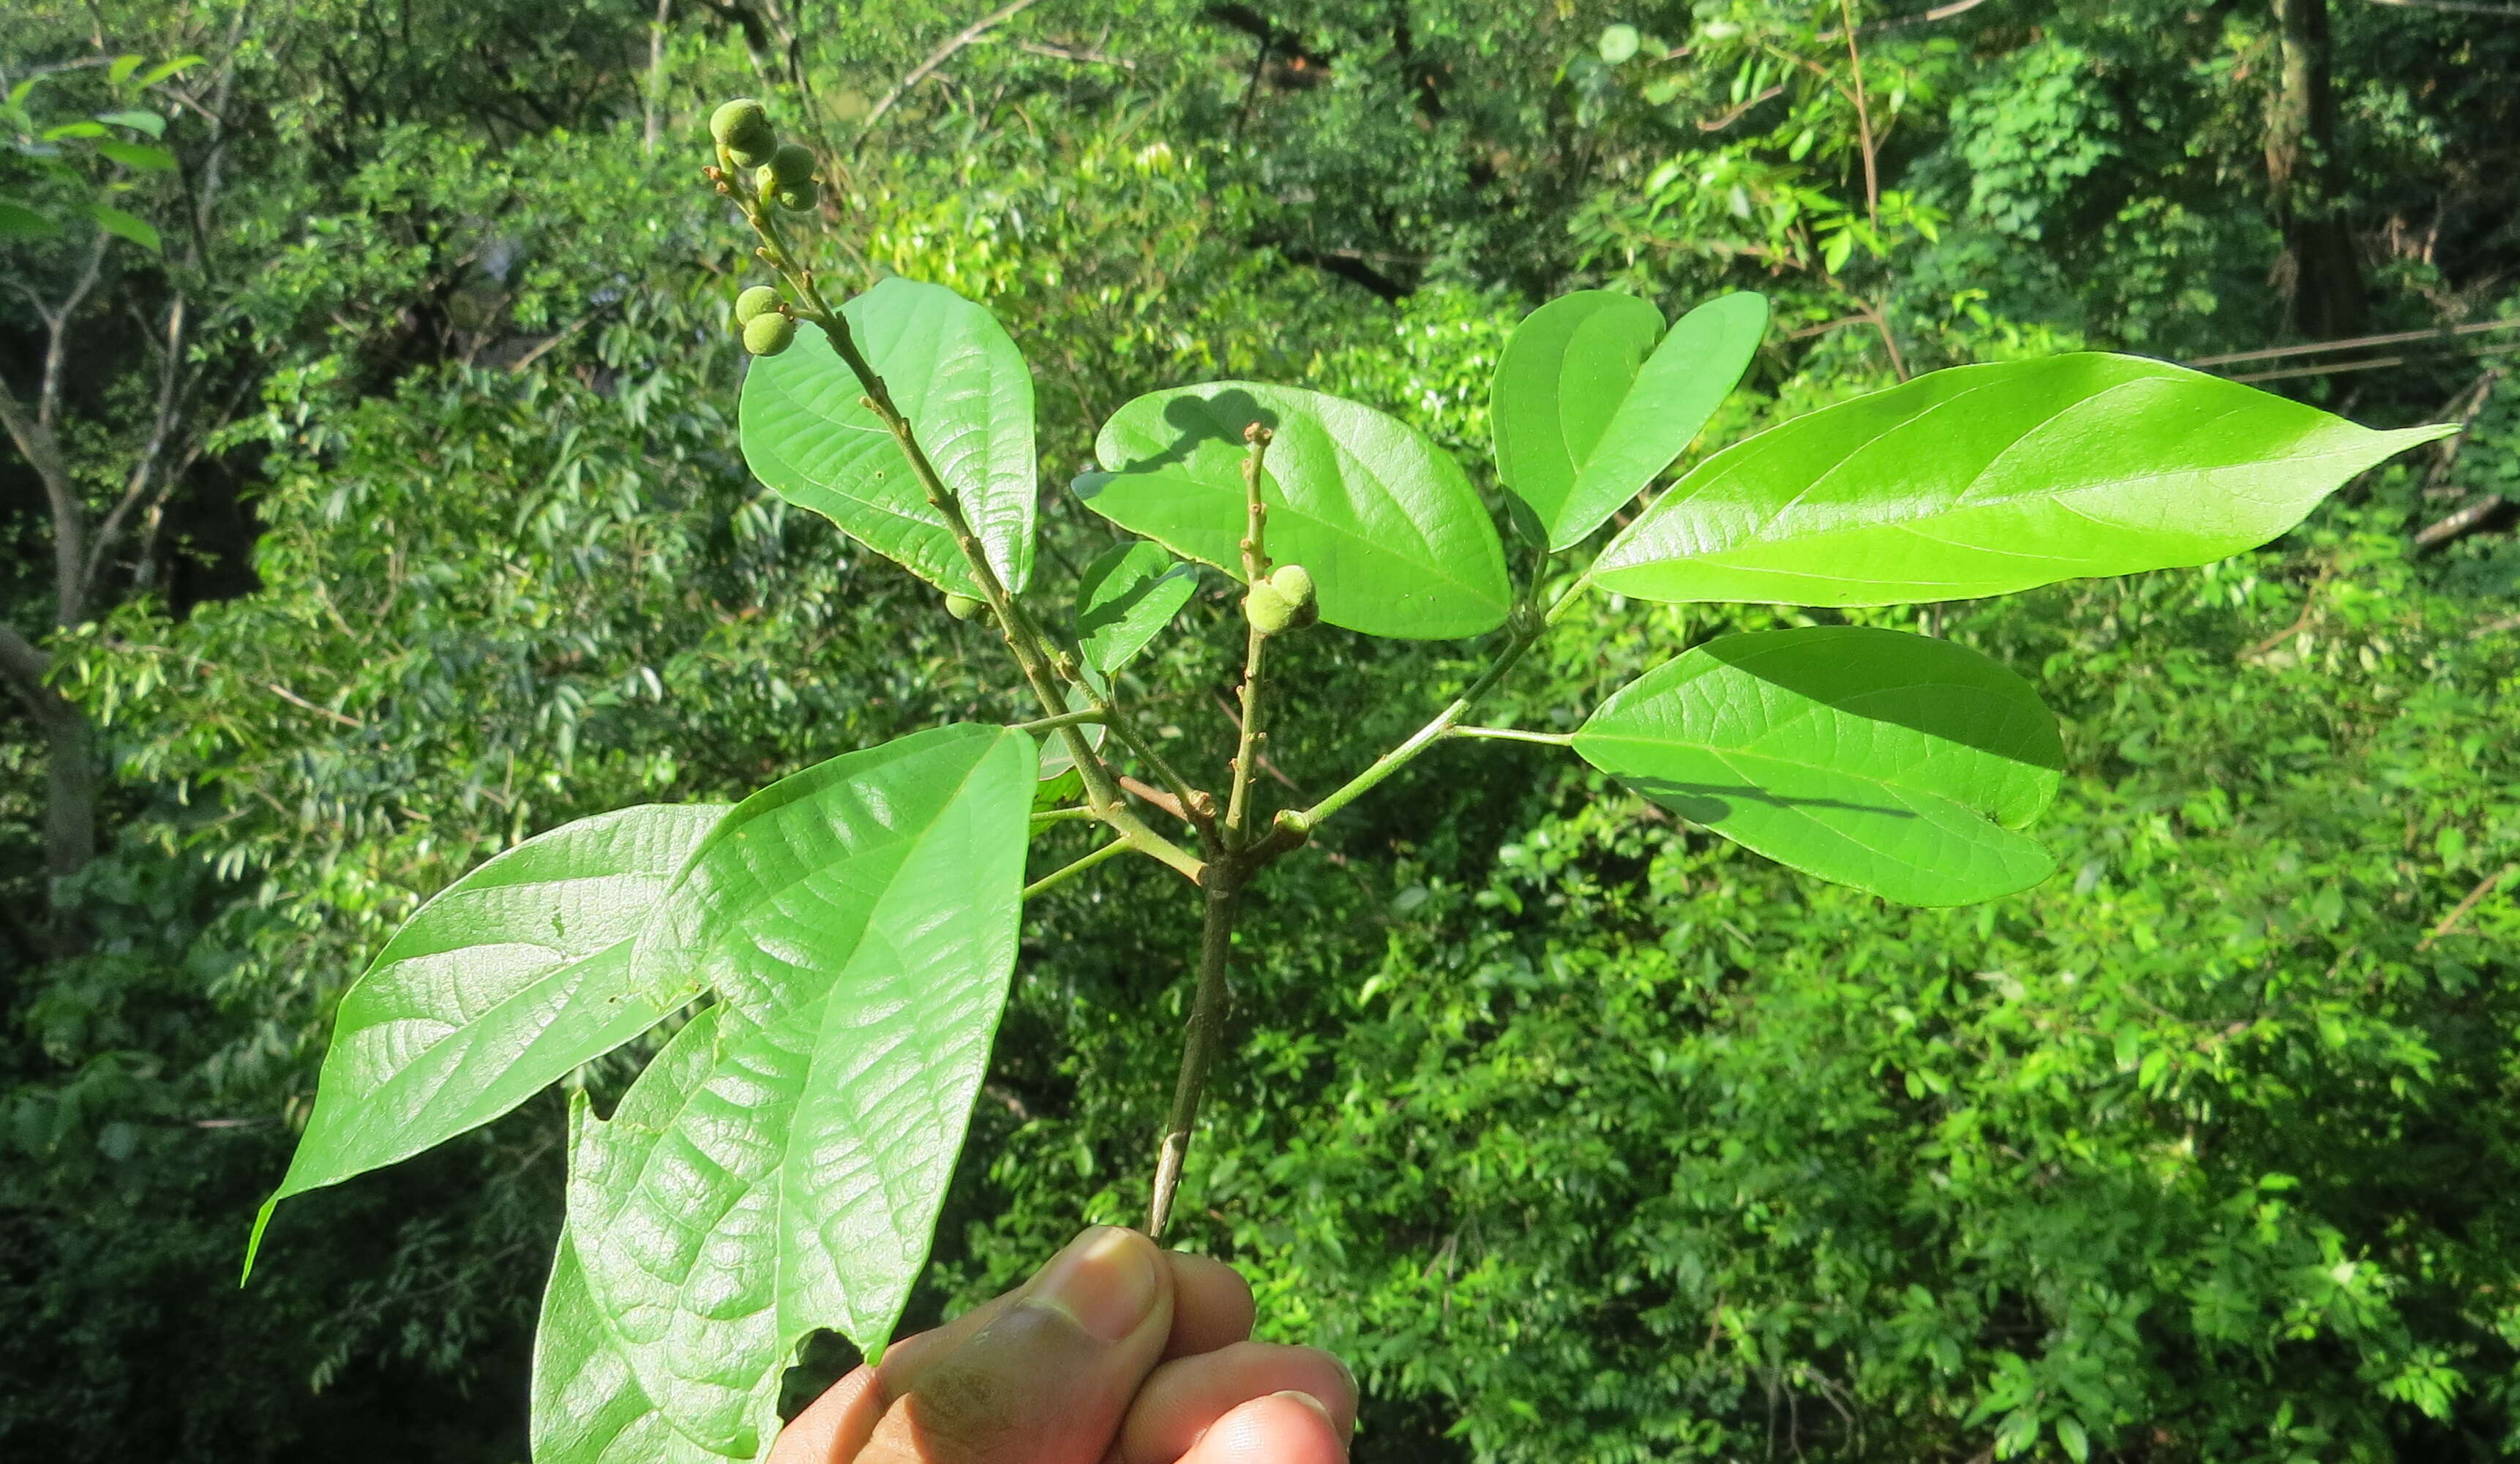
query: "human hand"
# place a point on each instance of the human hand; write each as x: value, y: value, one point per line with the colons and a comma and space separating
x: 1114, y: 1354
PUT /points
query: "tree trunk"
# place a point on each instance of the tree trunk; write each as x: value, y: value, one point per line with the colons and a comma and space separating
x: 2320, y: 273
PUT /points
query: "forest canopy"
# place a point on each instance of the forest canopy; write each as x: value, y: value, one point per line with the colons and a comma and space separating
x: 372, y: 503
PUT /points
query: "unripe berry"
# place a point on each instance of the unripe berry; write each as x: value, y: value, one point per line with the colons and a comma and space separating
x: 1295, y: 583
x: 1267, y: 609
x: 796, y: 197
x: 791, y: 164
x: 962, y: 606
x: 755, y: 303
x: 768, y: 334
x: 743, y: 129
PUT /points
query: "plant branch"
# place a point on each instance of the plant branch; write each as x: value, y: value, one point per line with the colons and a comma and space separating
x: 938, y: 58
x: 1514, y: 734
x: 1060, y: 876
x: 1863, y: 123
x: 1198, y: 1046
x: 1023, y: 636
x: 1256, y: 644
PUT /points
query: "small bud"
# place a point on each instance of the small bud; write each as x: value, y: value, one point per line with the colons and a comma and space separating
x: 768, y: 334
x: 791, y: 164
x: 962, y: 606
x: 743, y: 129
x: 755, y: 303
x: 1267, y: 609
x: 1293, y: 583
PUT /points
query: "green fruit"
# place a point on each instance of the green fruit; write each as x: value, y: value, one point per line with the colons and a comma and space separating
x: 1267, y: 609
x: 743, y: 129
x: 1295, y: 583
x: 791, y: 164
x: 768, y: 334
x: 796, y: 197
x: 962, y: 606
x: 755, y: 303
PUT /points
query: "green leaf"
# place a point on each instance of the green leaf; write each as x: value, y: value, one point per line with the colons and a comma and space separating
x: 164, y: 70
x: 138, y: 121
x: 139, y: 156
x: 511, y: 976
x: 1128, y: 597
x: 1396, y: 537
x: 18, y: 221
x: 1893, y: 762
x: 122, y: 67
x: 2076, y: 1443
x: 1586, y: 418
x: 1563, y: 374
x: 955, y: 374
x: 858, y: 922
x: 73, y: 129
x: 588, y: 1407
x: 116, y: 221
x: 1984, y: 480
x: 1618, y: 44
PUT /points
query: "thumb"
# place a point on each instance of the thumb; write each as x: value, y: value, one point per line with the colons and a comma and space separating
x: 1050, y: 1377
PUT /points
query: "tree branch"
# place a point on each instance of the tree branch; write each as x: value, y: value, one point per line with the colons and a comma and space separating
x: 935, y: 59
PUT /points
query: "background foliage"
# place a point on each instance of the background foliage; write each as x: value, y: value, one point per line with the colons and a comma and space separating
x: 1581, y: 1135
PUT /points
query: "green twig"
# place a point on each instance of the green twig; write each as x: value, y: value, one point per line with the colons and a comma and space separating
x: 1060, y: 876
x: 1514, y: 734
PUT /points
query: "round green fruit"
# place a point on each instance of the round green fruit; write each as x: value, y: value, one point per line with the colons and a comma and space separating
x: 1267, y: 609
x: 791, y: 164
x: 743, y: 129
x: 796, y: 197
x: 768, y: 334
x: 755, y: 303
x: 962, y: 606
x: 1294, y: 582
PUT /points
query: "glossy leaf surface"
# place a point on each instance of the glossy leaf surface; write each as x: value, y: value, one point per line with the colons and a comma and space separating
x: 1984, y: 480
x: 955, y: 374
x: 1586, y: 418
x: 1893, y: 762
x: 1396, y: 537
x: 511, y: 976
x: 1128, y: 596
x: 858, y: 923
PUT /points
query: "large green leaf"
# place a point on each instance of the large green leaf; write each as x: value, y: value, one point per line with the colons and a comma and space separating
x: 1890, y: 762
x: 958, y: 378
x: 513, y: 975
x: 1127, y: 597
x: 1396, y: 537
x: 858, y: 922
x: 1984, y: 480
x: 588, y: 1407
x: 1588, y: 410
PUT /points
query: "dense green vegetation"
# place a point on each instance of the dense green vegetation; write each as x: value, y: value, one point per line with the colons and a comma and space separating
x: 1577, y: 1131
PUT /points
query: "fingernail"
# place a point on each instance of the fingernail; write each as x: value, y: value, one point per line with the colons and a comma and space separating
x: 1104, y: 1283
x: 1314, y: 1403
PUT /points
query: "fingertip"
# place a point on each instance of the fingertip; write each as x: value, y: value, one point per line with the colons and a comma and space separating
x: 833, y: 1428
x: 1212, y: 1304
x: 1284, y: 1428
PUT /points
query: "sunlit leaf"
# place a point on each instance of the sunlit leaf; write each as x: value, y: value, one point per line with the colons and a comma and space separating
x: 164, y: 70
x: 1983, y: 479
x: 1588, y: 410
x: 511, y: 976
x: 1396, y: 537
x: 955, y: 374
x: 588, y: 1407
x: 858, y: 923
x: 1894, y: 763
x: 1126, y: 599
